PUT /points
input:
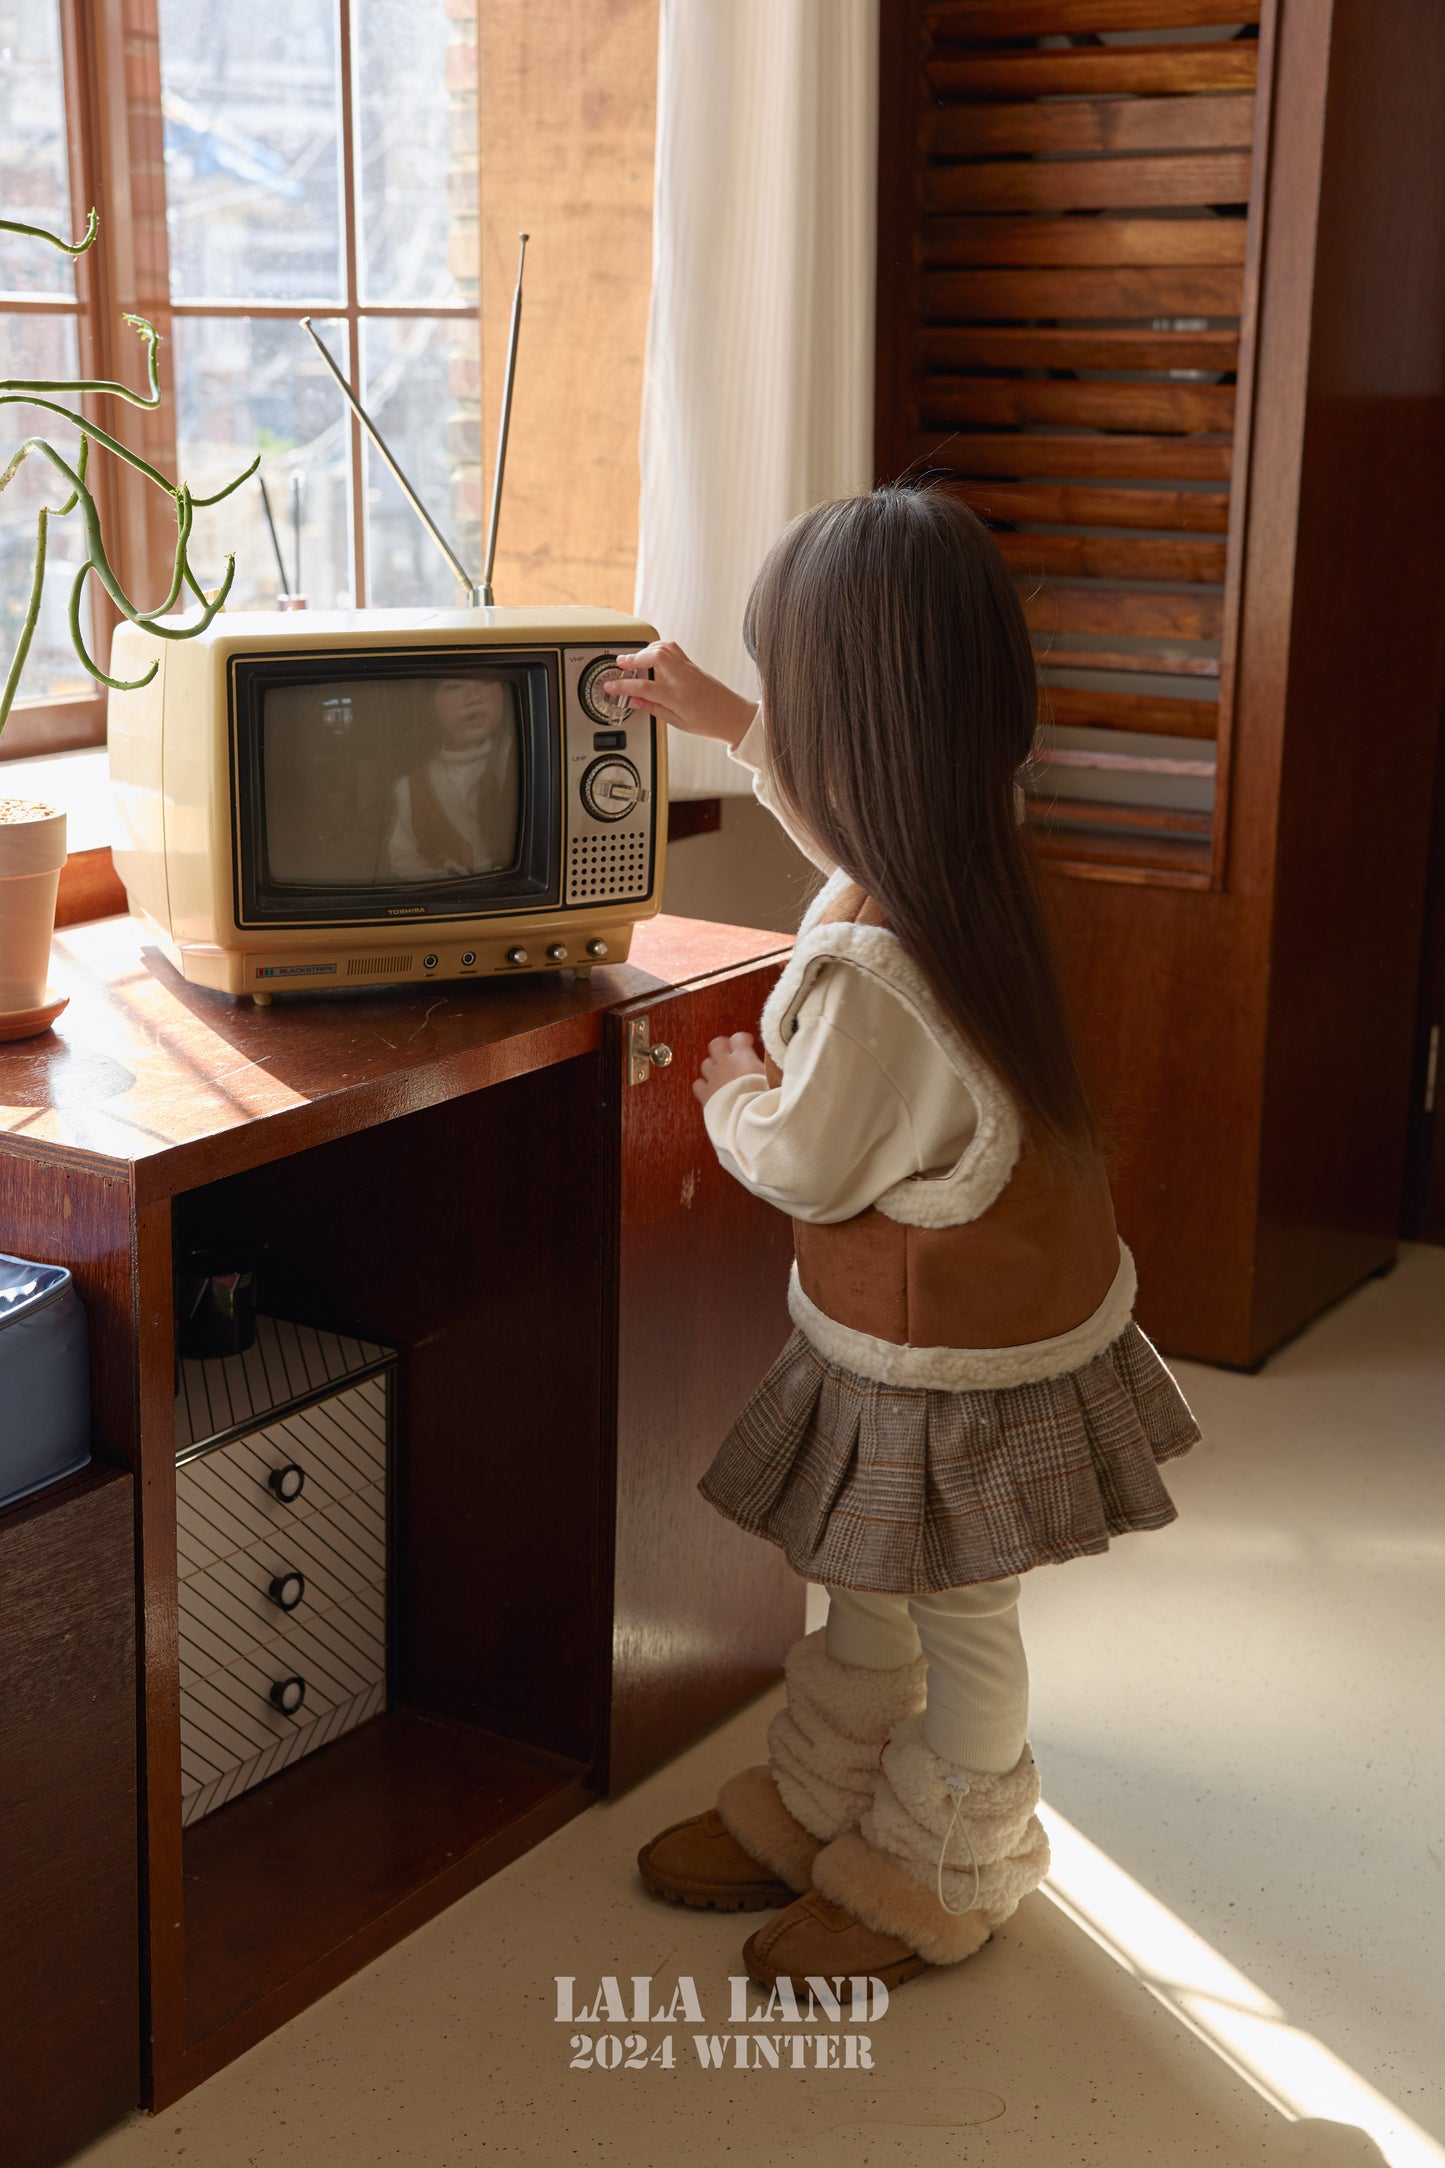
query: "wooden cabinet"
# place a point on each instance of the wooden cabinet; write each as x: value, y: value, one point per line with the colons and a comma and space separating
x: 1160, y: 292
x: 70, y: 1981
x: 579, y: 1299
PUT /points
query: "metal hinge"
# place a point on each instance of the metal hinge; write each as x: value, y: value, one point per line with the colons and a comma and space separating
x: 642, y: 1056
x: 1432, y: 1064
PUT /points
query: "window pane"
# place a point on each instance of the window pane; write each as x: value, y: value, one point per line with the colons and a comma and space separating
x: 34, y: 184
x: 40, y: 346
x: 250, y: 96
x: 416, y: 149
x: 421, y: 390
x: 246, y: 384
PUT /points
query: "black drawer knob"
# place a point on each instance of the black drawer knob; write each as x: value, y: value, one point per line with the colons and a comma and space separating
x: 288, y: 1482
x: 287, y: 1589
x: 287, y: 1695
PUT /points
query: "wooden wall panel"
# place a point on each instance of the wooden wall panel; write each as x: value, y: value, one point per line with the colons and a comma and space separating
x: 1366, y: 662
x: 1251, y: 1037
x: 566, y: 97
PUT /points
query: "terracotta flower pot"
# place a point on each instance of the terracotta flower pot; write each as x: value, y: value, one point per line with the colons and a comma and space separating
x: 32, y: 852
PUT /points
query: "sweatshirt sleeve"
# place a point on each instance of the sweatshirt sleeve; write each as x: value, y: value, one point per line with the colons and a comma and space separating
x: 866, y: 1099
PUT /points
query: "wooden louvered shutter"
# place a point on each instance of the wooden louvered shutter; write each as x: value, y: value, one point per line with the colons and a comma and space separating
x: 1071, y: 339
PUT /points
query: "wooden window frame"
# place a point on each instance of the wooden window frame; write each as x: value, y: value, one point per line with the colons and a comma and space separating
x: 110, y: 52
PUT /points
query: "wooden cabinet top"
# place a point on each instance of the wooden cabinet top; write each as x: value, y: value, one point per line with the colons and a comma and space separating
x: 172, y: 1085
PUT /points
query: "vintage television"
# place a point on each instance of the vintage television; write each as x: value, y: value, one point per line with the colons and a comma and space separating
x: 318, y: 800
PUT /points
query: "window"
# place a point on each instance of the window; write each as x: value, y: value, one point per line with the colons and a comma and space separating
x: 318, y: 160
x: 45, y: 331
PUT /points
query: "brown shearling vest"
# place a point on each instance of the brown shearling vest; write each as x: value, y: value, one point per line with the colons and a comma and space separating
x: 1037, y: 1263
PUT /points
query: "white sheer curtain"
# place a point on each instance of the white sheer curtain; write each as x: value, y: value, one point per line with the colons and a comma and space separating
x: 758, y: 395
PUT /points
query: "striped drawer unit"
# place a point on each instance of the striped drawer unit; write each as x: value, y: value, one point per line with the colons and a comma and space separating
x: 281, y: 1527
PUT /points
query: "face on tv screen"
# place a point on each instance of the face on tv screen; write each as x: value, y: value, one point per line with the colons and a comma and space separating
x: 389, y: 781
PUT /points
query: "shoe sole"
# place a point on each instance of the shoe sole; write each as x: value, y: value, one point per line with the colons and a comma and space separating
x: 759, y: 1900
x: 907, y: 1968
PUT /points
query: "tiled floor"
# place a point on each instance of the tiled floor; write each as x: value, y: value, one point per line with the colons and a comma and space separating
x: 1241, y: 1957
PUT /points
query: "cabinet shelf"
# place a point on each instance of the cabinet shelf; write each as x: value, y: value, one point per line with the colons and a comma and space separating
x: 298, y: 1881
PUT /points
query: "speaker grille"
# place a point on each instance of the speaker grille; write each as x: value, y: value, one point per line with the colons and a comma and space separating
x: 605, y: 866
x: 378, y: 967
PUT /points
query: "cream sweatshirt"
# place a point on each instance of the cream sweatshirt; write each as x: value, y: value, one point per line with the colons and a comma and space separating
x: 868, y: 1095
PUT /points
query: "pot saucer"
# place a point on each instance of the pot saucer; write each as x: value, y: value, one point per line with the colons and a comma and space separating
x: 28, y: 1023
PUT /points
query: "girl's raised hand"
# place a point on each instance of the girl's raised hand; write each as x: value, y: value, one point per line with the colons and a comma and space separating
x: 726, y: 1059
x: 680, y: 693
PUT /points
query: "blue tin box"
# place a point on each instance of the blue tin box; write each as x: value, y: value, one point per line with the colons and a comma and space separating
x: 44, y: 1378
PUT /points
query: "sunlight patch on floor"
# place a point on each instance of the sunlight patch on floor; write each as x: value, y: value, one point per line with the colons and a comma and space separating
x: 1295, y: 2072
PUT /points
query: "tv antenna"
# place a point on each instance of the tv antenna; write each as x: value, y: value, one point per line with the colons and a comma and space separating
x: 478, y: 592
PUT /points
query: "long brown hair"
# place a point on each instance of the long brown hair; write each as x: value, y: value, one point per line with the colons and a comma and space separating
x: 900, y: 702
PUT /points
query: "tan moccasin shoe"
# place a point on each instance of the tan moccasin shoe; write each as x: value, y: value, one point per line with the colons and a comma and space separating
x: 818, y: 1938
x: 700, y: 1862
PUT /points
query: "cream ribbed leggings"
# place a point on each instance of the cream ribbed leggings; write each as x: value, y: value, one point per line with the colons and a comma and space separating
x: 978, y: 1676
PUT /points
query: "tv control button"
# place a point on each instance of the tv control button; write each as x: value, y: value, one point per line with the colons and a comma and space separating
x: 516, y: 956
x: 288, y: 1482
x: 597, y: 948
x: 429, y: 963
x: 287, y: 1590
x: 469, y: 957
x: 557, y: 953
x: 287, y: 1695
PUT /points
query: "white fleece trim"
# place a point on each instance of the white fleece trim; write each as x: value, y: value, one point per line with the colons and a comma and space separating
x: 966, y: 1369
x: 967, y: 1189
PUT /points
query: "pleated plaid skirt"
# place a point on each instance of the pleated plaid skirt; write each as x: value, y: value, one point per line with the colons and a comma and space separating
x: 906, y: 1490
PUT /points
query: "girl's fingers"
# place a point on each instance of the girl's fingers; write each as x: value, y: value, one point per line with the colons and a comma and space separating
x: 644, y: 698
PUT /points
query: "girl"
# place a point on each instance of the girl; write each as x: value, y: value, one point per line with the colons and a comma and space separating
x: 965, y: 1395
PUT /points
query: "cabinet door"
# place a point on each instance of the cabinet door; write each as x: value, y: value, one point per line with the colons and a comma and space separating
x: 70, y: 1980
x: 703, y: 1613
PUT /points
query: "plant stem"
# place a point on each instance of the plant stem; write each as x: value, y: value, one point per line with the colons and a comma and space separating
x: 32, y: 613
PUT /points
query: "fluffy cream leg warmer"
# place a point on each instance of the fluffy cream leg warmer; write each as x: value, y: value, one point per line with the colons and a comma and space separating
x: 750, y: 1810
x: 823, y: 1747
x: 886, y: 1872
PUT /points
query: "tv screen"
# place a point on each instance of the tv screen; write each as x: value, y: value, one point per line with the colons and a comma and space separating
x: 395, y: 784
x: 407, y: 779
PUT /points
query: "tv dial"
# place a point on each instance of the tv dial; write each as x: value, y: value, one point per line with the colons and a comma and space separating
x: 611, y: 789
x: 602, y: 707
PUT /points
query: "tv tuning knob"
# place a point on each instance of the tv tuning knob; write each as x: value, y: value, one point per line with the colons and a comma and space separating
x: 602, y: 707
x: 611, y: 788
